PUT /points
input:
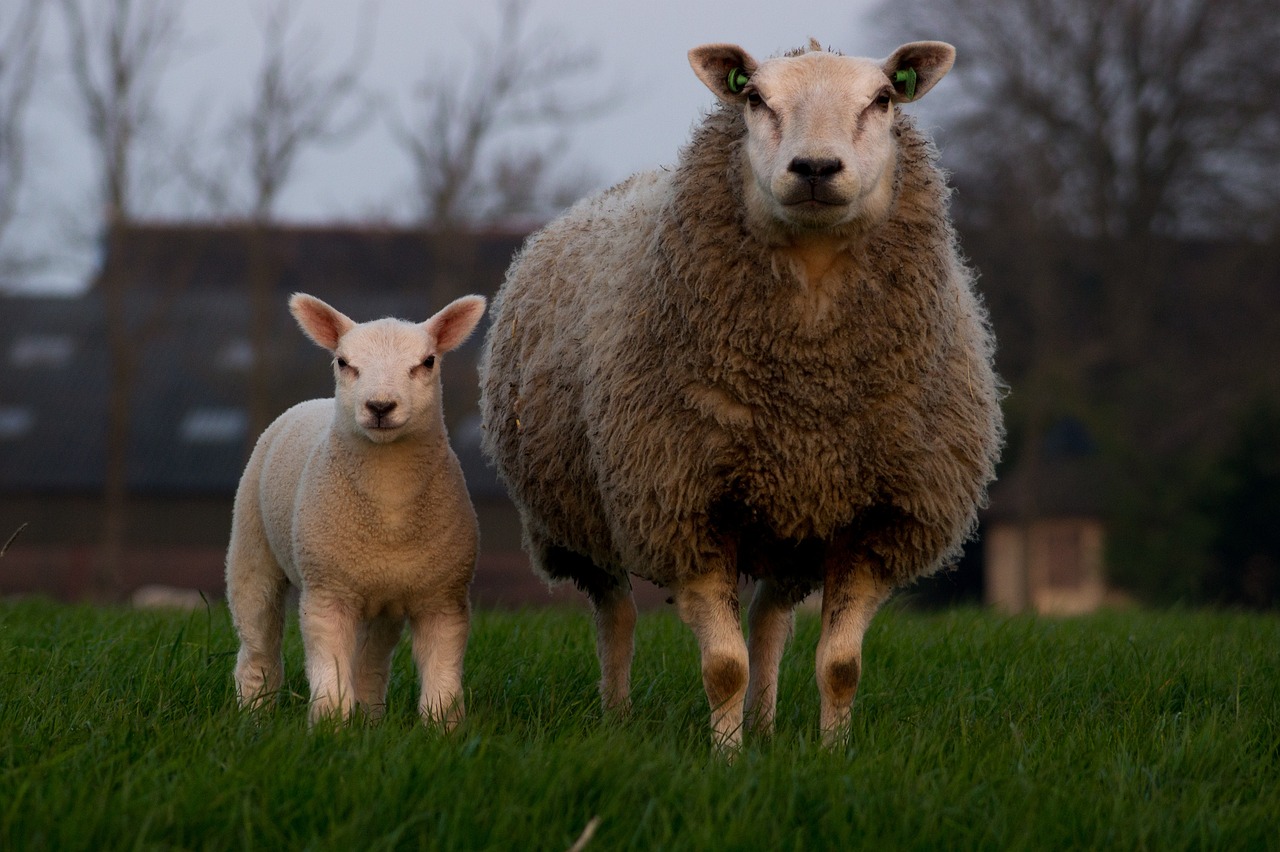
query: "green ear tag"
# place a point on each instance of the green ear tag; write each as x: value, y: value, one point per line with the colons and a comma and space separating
x: 737, y: 80
x: 908, y: 76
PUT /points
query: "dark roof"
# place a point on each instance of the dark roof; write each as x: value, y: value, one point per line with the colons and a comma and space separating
x: 188, y: 312
x: 1065, y: 478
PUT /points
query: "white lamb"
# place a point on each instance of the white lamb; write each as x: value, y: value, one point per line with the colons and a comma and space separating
x: 360, y: 503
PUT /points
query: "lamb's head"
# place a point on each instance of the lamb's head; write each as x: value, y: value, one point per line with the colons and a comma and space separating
x: 819, y: 139
x: 387, y: 372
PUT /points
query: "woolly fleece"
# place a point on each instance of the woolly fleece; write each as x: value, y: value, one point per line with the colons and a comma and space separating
x: 657, y: 380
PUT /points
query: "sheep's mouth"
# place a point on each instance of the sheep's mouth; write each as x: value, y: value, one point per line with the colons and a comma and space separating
x: 814, y: 204
x: 814, y: 212
x: 806, y: 196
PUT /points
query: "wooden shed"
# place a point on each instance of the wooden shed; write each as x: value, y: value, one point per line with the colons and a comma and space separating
x: 1045, y: 541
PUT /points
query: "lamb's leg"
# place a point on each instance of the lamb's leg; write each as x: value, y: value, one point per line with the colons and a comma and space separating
x: 373, y: 663
x: 615, y: 617
x: 329, y: 642
x: 851, y: 595
x: 708, y: 603
x: 255, y: 594
x: 439, y: 645
x: 770, y: 623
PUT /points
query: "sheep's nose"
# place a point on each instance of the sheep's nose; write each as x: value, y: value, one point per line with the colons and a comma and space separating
x: 380, y: 407
x: 816, y: 168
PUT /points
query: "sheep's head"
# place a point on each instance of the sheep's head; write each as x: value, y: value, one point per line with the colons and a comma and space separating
x: 387, y: 372
x: 819, y: 138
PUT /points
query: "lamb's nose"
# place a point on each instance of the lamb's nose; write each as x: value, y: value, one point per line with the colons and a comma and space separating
x: 380, y: 407
x: 816, y: 168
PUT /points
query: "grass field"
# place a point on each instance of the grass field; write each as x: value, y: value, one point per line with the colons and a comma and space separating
x: 1135, y: 730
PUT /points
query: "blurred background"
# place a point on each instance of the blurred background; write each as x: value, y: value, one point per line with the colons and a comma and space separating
x: 170, y: 171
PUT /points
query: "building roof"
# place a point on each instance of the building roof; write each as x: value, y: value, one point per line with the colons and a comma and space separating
x: 1065, y: 477
x: 188, y: 314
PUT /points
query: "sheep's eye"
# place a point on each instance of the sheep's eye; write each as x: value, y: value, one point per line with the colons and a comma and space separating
x: 430, y: 362
x: 883, y: 99
x: 342, y: 364
x: 754, y: 99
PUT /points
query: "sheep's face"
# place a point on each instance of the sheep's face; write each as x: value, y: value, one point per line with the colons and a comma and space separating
x: 386, y: 372
x: 819, y: 139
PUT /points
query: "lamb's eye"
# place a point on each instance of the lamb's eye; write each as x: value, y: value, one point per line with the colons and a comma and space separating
x: 754, y: 99
x: 883, y: 99
x: 430, y: 362
x: 342, y: 364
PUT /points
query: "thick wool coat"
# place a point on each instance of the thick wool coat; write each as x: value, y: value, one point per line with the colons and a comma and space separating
x: 388, y: 528
x: 661, y: 386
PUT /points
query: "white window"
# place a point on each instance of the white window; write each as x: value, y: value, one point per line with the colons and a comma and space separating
x: 42, y: 350
x: 15, y: 422
x: 236, y: 354
x: 213, y: 425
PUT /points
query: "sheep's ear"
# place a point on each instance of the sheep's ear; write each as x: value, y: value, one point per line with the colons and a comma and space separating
x: 455, y: 322
x: 321, y: 323
x: 914, y: 68
x: 724, y: 68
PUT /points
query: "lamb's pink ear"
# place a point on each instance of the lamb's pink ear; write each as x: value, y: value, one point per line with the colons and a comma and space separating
x: 455, y: 322
x: 725, y: 69
x: 321, y: 323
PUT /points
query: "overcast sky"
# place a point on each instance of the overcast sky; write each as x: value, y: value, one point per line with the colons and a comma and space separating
x: 642, y: 47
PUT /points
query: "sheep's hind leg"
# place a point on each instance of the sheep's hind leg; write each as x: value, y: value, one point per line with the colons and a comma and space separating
x: 769, y: 621
x: 708, y: 603
x: 439, y: 645
x: 851, y: 595
x: 329, y: 642
x: 373, y: 663
x: 615, y: 619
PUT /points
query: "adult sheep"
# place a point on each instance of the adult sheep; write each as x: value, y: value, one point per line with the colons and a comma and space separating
x: 768, y: 360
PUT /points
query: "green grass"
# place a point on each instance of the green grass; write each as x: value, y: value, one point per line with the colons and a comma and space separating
x: 1136, y: 730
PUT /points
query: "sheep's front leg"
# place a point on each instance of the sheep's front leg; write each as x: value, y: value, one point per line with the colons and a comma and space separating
x: 769, y: 623
x: 851, y: 594
x: 439, y: 645
x: 615, y: 617
x: 708, y: 603
x: 329, y: 629
x: 373, y: 663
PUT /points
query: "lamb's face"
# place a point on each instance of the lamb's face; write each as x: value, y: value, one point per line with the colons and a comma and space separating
x: 819, y: 127
x: 386, y: 372
x: 386, y: 379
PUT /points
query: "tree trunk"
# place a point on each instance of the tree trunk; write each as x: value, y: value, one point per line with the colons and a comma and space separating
x: 106, y: 581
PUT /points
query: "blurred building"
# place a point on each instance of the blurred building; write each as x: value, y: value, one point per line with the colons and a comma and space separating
x: 1044, y: 546
x: 189, y: 330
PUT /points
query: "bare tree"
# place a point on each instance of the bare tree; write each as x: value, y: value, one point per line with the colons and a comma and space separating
x: 297, y: 105
x: 20, y: 27
x: 1121, y: 118
x: 518, y: 85
x: 1086, y: 137
x: 118, y: 53
x: 119, y: 50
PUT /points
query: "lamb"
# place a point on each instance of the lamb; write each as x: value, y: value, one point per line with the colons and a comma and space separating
x: 359, y: 502
x: 767, y: 361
